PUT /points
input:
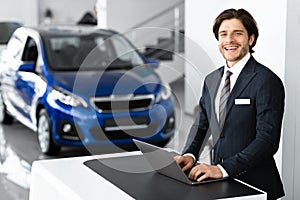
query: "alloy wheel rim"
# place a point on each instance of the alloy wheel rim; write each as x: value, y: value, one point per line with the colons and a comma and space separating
x: 43, y: 133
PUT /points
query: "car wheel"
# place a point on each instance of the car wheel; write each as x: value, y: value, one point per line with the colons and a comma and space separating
x: 45, y: 139
x: 5, y: 118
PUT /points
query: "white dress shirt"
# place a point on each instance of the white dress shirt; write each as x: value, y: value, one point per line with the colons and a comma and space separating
x: 236, y: 70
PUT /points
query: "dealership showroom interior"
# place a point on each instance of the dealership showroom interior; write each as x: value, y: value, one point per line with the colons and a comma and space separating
x: 122, y: 99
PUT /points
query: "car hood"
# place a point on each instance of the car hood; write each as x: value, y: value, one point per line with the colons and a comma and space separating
x: 139, y: 80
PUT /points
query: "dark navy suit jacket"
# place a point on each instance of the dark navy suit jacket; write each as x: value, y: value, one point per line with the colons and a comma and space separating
x: 250, y: 137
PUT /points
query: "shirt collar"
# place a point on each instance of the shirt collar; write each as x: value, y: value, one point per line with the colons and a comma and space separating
x: 237, y: 68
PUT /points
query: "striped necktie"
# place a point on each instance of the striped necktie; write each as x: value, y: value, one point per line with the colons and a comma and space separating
x: 224, y: 98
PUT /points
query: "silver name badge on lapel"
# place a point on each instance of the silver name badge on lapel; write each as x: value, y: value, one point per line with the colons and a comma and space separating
x: 242, y: 102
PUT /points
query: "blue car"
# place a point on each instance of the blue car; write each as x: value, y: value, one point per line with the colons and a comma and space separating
x: 83, y: 86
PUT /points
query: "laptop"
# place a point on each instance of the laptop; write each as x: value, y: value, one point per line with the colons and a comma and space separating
x: 163, y: 162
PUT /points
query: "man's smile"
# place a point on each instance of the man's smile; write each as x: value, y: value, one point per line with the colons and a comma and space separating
x: 231, y: 48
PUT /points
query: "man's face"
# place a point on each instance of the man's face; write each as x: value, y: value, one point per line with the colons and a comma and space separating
x: 234, y: 41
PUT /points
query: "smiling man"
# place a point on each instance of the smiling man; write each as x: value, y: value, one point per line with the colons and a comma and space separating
x: 242, y: 107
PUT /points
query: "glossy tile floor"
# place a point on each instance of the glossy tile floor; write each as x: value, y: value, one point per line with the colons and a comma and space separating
x: 19, y: 148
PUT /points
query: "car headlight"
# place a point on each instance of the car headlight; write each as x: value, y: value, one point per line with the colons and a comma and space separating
x: 165, y: 93
x: 67, y: 98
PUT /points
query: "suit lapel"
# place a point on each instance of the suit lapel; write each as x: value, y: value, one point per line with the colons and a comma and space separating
x: 243, y: 80
x: 213, y: 87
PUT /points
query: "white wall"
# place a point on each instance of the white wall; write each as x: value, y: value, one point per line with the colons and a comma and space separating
x: 25, y: 11
x: 202, y: 51
x: 291, y: 128
x: 124, y: 14
x: 66, y: 11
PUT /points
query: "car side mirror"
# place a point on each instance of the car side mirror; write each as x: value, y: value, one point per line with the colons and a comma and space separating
x: 27, y: 67
x: 152, y: 62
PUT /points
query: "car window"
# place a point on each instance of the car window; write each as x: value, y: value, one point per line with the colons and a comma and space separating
x: 124, y: 51
x: 90, y: 52
x: 30, y: 52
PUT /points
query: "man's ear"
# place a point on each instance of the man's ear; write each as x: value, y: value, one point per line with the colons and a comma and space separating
x: 251, y: 39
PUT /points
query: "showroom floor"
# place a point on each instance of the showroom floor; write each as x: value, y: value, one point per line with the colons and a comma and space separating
x: 19, y: 148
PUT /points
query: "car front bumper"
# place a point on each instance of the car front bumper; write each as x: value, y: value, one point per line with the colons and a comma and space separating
x: 85, y: 126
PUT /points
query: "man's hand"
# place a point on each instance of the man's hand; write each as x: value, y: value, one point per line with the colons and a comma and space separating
x: 204, y: 171
x: 186, y: 162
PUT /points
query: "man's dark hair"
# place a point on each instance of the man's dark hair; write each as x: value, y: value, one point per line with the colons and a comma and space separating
x: 246, y: 19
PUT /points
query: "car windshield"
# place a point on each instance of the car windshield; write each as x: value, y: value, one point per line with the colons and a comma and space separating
x: 90, y: 52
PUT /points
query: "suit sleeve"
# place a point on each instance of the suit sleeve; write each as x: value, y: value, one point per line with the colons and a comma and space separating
x: 198, y: 131
x: 269, y: 104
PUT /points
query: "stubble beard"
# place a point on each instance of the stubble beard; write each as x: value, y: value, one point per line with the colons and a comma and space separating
x: 237, y: 58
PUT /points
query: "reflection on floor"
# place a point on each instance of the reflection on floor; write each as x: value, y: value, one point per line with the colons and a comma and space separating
x: 19, y: 148
x: 14, y: 172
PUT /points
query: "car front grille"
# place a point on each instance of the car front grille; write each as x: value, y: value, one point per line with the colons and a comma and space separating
x: 138, y: 131
x: 119, y: 103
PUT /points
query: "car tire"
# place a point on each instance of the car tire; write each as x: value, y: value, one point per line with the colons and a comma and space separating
x: 5, y: 118
x: 44, y: 135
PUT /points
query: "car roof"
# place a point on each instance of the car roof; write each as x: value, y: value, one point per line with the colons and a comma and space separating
x: 61, y: 30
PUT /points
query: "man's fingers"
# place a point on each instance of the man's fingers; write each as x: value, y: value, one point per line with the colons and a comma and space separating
x: 180, y: 160
x: 184, y: 161
x: 204, y: 171
x: 202, y: 177
x: 186, y: 167
x: 194, y: 173
x: 200, y: 172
